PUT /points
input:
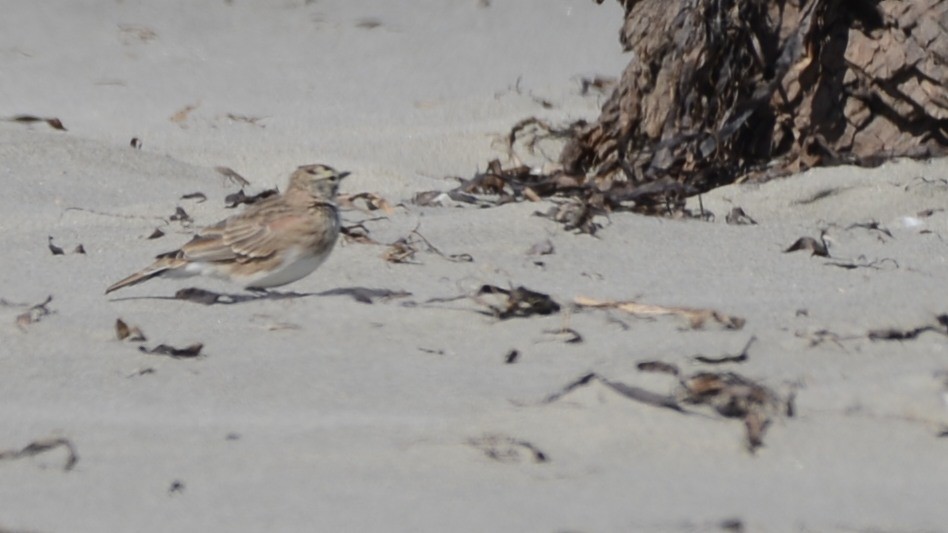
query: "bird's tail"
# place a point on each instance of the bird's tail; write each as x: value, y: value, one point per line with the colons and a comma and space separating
x: 159, y: 267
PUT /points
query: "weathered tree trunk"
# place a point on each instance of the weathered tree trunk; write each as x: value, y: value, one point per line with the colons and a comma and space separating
x: 721, y: 90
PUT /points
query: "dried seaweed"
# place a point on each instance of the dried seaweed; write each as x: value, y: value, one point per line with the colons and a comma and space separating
x: 44, y: 445
x: 899, y: 334
x: 180, y: 215
x: 373, y: 202
x: 157, y: 234
x: 520, y: 302
x: 233, y: 176
x: 737, y: 216
x: 507, y: 449
x: 35, y: 313
x: 54, y: 123
x: 56, y: 250
x: 697, y: 318
x: 404, y: 250
x: 199, y: 196
x: 727, y: 358
x: 187, y: 352
x: 130, y: 333
x: 511, y: 357
x: 815, y: 247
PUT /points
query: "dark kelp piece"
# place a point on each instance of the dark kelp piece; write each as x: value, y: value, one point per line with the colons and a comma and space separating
x: 815, y: 247
x: 199, y: 196
x: 44, y: 445
x: 521, y: 302
x: 191, y: 351
x: 130, y: 333
x: 728, y: 358
x: 54, y: 123
x: 56, y: 250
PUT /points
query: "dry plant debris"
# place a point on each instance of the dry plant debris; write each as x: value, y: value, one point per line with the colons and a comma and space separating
x: 44, y: 445
x: 135, y: 143
x: 188, y: 352
x: 741, y: 357
x: 200, y: 197
x: 697, y: 318
x: 506, y: 449
x: 54, y: 123
x: 519, y: 302
x: 56, y: 250
x: 125, y: 332
x: 34, y: 314
x: 182, y: 216
x: 157, y: 234
x: 738, y: 217
x: 815, y: 247
x: 373, y: 202
x: 233, y: 176
x: 897, y: 334
x: 729, y: 394
x: 404, y: 249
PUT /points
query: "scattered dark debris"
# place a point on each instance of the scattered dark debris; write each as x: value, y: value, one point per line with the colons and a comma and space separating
x: 735, y: 358
x: 176, y: 487
x: 368, y: 23
x: 357, y: 233
x: 573, y: 215
x: 233, y: 176
x: 943, y: 433
x: 738, y: 217
x: 697, y: 318
x: 925, y: 213
x: 180, y: 215
x: 180, y: 117
x: 432, y: 351
x: 818, y: 337
x: 544, y: 247
x: 729, y: 394
x: 735, y: 525
x: 404, y: 249
x: 35, y: 313
x: 235, y: 199
x: 135, y: 143
x: 520, y: 302
x: 54, y: 123
x: 233, y: 436
x: 142, y: 372
x: 512, y: 356
x: 802, y: 312
x: 507, y: 449
x: 44, y: 445
x: 600, y: 84
x: 365, y: 295
x: 130, y: 333
x: 660, y: 367
x: 56, y: 250
x: 373, y: 202
x: 400, y: 251
x: 570, y: 335
x: 877, y: 264
x: 817, y: 247
x: 897, y: 334
x: 199, y: 196
x: 157, y: 234
x: 253, y: 121
x: 872, y: 225
x: 191, y: 351
x: 543, y: 102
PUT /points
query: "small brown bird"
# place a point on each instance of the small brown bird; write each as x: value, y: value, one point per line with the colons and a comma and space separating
x: 274, y: 242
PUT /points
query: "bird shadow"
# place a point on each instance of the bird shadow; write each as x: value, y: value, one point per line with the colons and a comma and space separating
x: 364, y: 295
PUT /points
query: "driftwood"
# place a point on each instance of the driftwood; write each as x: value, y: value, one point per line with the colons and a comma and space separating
x: 718, y: 91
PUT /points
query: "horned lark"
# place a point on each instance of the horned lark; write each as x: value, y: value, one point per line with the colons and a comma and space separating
x: 274, y: 242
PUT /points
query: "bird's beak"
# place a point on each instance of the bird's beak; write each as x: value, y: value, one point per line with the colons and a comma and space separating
x: 342, y: 174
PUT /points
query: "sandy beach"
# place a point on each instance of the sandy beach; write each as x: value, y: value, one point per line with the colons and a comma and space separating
x: 421, y: 409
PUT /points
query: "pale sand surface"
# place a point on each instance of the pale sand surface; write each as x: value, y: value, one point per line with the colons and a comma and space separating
x: 325, y: 414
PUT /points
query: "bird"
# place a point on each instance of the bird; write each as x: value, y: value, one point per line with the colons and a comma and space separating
x: 274, y: 242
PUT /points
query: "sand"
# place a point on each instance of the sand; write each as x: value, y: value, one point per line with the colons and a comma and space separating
x: 322, y: 413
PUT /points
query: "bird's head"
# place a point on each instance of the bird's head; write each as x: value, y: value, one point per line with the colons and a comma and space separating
x: 319, y: 180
